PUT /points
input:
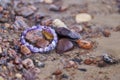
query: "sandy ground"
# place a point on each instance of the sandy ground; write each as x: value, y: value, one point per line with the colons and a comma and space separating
x: 105, y: 14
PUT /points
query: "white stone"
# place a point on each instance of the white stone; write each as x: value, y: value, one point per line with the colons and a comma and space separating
x: 83, y: 17
x: 58, y: 23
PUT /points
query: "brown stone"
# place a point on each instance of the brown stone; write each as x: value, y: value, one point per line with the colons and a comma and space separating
x: 25, y: 50
x: 106, y: 33
x: 88, y: 61
x: 57, y: 72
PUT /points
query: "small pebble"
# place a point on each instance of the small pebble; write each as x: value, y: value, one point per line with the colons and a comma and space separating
x: 83, y: 17
x: 48, y: 1
x: 64, y: 76
x: 40, y: 64
x: 117, y: 28
x: 54, y: 8
x: 57, y: 72
x: 28, y: 63
x: 106, y: 33
x: 25, y: 50
x: 7, y: 25
x: 82, y: 69
x: 58, y: 23
x: 18, y: 75
x: 88, y: 61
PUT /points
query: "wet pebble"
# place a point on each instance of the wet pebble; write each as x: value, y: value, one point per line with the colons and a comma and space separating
x: 28, y: 63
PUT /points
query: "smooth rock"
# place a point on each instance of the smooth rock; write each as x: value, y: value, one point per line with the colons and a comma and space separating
x: 83, y: 17
x: 64, y: 45
x: 28, y: 63
x: 25, y: 50
x: 58, y: 23
x: 64, y: 32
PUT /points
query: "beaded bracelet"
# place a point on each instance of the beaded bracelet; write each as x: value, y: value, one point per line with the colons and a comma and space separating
x: 34, y: 49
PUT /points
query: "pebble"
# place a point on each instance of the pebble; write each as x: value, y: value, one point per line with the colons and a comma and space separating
x: 83, y: 17
x: 84, y: 44
x: 1, y: 49
x: 17, y: 60
x: 7, y: 25
x: 106, y: 33
x: 64, y: 32
x: 58, y: 23
x: 82, y: 69
x: 18, y: 75
x: 64, y: 76
x: 57, y: 72
x: 39, y: 64
x: 26, y: 11
x: 64, y: 8
x: 64, y: 45
x: 88, y: 61
x: 25, y: 50
x: 28, y: 63
x: 48, y: 1
x: 54, y: 8
x: 117, y: 28
x: 1, y: 8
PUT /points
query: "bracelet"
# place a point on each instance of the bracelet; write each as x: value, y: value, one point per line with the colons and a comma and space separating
x: 34, y: 49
